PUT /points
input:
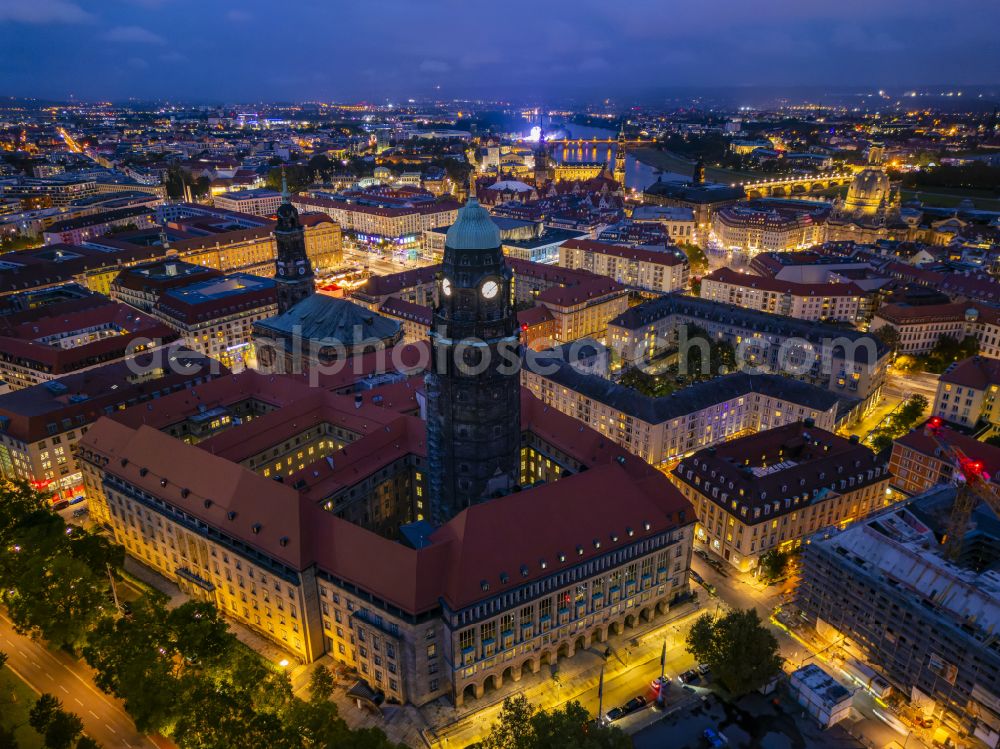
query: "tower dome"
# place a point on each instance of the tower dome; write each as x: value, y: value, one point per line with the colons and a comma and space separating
x: 867, y: 192
x: 474, y: 229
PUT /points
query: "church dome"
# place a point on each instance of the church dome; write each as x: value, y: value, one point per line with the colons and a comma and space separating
x: 474, y: 229
x: 867, y: 191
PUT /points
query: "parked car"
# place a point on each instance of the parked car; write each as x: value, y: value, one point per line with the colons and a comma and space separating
x: 697, y: 578
x: 614, y: 714
x: 634, y: 704
x: 689, y: 677
x: 79, y: 512
x: 715, y: 739
x: 60, y: 505
x: 924, y: 722
x: 704, y: 669
x: 660, y: 683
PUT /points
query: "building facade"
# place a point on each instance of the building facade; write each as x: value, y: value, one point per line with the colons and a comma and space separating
x: 883, y: 590
x: 663, y: 270
x: 771, y: 490
x: 843, y: 302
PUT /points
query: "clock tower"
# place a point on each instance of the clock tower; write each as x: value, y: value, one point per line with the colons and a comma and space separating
x: 473, y: 387
x: 293, y: 271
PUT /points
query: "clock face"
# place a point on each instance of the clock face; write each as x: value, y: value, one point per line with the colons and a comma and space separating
x: 490, y: 289
x: 446, y: 286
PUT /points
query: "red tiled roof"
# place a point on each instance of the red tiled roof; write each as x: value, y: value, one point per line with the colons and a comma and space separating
x: 972, y: 448
x: 666, y: 257
x: 591, y: 289
x: 727, y: 276
x: 976, y: 372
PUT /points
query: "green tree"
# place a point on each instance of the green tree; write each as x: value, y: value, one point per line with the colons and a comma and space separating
x: 200, y: 635
x: 994, y: 440
x: 7, y: 739
x: 570, y: 727
x: 774, y: 564
x: 521, y: 726
x: 888, y: 335
x: 134, y: 660
x: 697, y: 260
x: 320, y: 684
x: 42, y: 712
x: 63, y: 730
x: 512, y: 729
x: 741, y: 651
x: 85, y: 742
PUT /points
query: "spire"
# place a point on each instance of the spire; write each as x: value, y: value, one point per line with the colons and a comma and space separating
x: 472, y: 185
x: 164, y: 242
x: 284, y: 186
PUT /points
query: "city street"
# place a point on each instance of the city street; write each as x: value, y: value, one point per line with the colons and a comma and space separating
x: 628, y: 672
x: 873, y: 723
x: 45, y: 670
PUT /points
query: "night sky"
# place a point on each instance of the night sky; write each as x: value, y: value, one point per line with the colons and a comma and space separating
x: 217, y: 50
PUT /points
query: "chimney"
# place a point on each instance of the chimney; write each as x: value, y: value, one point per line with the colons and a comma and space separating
x: 358, y: 399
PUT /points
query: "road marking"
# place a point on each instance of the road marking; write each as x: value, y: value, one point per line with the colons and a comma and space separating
x: 47, y: 674
x: 93, y: 713
x: 111, y: 729
x: 126, y: 744
x: 64, y: 689
x: 23, y: 654
x: 78, y: 702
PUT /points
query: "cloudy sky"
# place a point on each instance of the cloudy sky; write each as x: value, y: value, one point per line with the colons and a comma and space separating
x: 245, y: 50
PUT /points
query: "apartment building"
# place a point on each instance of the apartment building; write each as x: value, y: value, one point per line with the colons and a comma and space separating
x: 967, y: 392
x: 917, y: 463
x: 883, y: 591
x: 216, y: 316
x: 259, y: 202
x: 845, y: 361
x: 41, y: 425
x: 655, y: 270
x: 843, y: 302
x: 773, y: 489
x: 662, y: 430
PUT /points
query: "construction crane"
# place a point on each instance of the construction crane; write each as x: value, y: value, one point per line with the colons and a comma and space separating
x: 973, y: 485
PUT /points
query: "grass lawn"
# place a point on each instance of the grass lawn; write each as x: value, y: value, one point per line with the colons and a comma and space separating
x: 16, y: 699
x: 944, y: 197
x: 671, y: 162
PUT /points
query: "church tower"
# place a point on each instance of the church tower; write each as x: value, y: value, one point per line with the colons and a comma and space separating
x: 619, y: 173
x: 543, y: 171
x: 698, y: 177
x: 473, y: 387
x: 293, y: 271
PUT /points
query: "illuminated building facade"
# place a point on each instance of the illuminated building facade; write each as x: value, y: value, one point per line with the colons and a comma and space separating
x: 312, y: 562
x: 844, y: 302
x: 773, y: 489
x: 883, y: 590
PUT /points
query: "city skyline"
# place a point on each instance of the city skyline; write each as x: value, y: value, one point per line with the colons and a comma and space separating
x: 397, y: 50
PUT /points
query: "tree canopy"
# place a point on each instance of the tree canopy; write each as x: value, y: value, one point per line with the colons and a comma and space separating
x: 741, y: 651
x: 521, y: 725
x: 180, y: 671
